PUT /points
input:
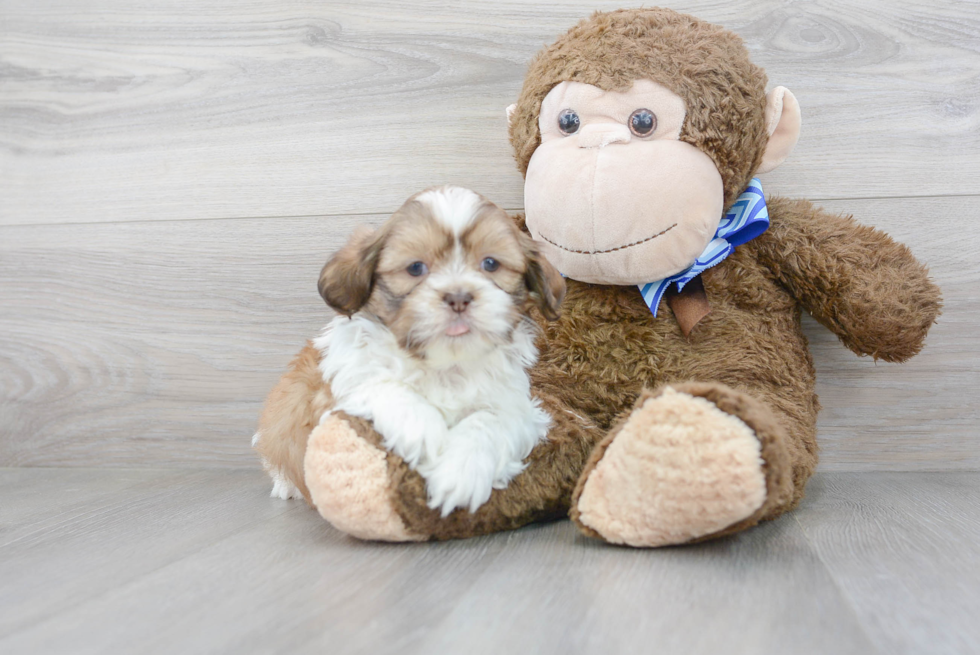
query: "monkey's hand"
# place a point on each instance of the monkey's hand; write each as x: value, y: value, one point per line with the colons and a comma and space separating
x: 857, y: 281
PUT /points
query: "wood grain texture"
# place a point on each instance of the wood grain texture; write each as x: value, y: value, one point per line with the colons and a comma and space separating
x: 905, y: 550
x: 561, y: 592
x: 205, y: 562
x: 154, y: 344
x: 34, y: 497
x: 183, y: 109
x: 71, y: 551
x: 143, y: 342
x: 288, y: 582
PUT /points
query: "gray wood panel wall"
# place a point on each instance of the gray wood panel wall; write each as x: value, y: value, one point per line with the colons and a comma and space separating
x: 174, y: 173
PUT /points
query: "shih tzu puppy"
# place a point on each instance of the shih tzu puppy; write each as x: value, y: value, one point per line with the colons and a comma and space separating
x: 432, y: 344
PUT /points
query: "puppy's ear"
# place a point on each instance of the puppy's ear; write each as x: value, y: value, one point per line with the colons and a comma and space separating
x: 543, y: 280
x: 348, y: 276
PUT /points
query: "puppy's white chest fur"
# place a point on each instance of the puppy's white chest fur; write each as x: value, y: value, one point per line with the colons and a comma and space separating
x: 465, y: 423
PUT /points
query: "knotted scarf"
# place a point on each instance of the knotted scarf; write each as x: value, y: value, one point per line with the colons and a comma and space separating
x: 747, y: 219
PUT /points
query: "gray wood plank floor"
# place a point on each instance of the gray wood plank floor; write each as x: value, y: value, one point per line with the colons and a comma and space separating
x: 203, y: 561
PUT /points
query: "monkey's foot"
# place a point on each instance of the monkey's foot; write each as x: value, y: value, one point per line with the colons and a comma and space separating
x: 679, y: 469
x: 347, y: 476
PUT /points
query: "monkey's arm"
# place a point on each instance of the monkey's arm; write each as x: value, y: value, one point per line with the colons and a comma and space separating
x: 857, y: 281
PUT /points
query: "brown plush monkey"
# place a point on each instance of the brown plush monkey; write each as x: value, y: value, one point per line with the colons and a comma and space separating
x: 694, y: 418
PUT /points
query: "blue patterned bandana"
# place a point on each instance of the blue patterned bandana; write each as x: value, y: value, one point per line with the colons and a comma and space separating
x: 747, y: 219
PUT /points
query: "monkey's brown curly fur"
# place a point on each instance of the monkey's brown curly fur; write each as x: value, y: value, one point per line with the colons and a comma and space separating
x: 706, y: 65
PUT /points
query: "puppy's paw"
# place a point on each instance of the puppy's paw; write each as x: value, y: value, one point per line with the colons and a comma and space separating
x: 419, y: 432
x: 458, y: 480
x: 508, y: 472
x: 282, y: 488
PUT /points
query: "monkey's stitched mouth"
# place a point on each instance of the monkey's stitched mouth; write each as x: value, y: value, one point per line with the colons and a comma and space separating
x: 602, y: 252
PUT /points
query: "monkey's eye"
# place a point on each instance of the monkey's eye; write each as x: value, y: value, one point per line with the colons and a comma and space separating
x: 490, y: 264
x: 417, y: 269
x: 568, y: 122
x: 643, y: 122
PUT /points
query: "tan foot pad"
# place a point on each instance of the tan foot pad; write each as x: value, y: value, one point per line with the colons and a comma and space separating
x: 679, y: 469
x: 348, y: 481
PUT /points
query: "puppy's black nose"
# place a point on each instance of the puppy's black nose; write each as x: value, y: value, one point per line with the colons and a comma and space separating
x: 458, y: 301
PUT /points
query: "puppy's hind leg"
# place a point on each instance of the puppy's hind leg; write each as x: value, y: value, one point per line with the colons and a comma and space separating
x: 292, y: 410
x: 281, y: 486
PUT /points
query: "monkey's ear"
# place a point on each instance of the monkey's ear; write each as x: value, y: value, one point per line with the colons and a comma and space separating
x: 543, y: 280
x: 510, y: 112
x: 348, y: 276
x: 783, y: 126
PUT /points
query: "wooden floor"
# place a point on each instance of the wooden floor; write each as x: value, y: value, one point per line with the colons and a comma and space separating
x: 158, y: 561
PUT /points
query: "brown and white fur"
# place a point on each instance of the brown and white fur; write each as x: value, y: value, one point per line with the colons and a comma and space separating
x: 432, y: 345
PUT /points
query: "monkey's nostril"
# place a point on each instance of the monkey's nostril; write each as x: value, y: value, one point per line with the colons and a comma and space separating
x: 458, y: 301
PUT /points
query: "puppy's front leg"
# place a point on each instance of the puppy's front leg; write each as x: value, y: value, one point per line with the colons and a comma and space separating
x: 476, y: 458
x: 409, y: 425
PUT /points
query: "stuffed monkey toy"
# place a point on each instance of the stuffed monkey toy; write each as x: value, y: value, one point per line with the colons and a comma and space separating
x: 678, y: 378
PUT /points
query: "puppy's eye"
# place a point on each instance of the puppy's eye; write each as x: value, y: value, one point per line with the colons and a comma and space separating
x: 417, y: 269
x: 643, y: 122
x: 490, y: 264
x: 568, y: 122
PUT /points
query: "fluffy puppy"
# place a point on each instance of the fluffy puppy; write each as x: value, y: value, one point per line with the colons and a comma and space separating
x: 432, y: 345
